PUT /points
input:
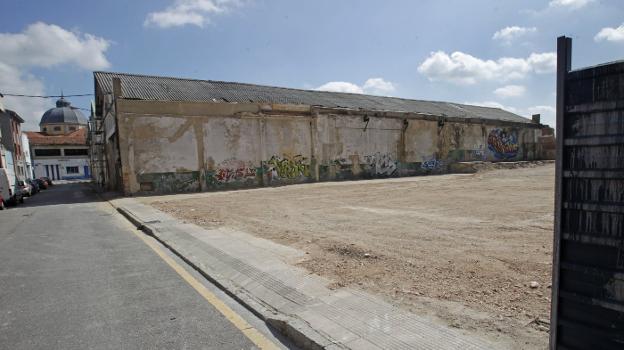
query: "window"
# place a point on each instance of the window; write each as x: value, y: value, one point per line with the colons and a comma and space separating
x: 76, y: 152
x: 45, y: 129
x: 57, y: 128
x: 72, y: 128
x: 72, y: 170
x: 47, y: 152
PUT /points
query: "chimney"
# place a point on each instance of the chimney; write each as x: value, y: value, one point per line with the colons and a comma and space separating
x: 535, y: 118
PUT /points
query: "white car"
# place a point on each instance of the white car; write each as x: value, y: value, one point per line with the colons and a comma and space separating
x: 9, y: 190
x: 24, y: 187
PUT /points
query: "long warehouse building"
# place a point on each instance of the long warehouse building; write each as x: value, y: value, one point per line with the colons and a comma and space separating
x: 153, y: 134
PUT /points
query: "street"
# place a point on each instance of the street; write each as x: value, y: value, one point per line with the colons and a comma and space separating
x: 75, y: 275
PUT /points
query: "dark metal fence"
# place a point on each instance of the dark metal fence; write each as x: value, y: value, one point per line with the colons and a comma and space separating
x: 588, y: 270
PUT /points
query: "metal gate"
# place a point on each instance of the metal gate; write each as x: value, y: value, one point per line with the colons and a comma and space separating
x: 588, y: 270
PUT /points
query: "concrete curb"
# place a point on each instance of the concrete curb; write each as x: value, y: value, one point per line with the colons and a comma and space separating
x: 294, y: 302
x: 295, y: 330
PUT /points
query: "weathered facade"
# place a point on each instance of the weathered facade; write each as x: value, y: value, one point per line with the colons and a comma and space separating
x: 10, y: 123
x: 588, y: 257
x: 157, y: 137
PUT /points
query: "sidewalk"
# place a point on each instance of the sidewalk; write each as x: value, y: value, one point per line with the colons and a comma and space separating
x: 257, y: 273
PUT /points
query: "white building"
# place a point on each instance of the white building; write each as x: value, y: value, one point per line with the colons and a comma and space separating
x: 59, y: 149
x: 28, y: 169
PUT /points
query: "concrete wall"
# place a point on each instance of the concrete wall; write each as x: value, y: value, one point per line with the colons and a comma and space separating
x: 57, y: 168
x: 181, y: 147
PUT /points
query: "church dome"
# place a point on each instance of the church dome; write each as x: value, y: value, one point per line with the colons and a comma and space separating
x: 63, y: 113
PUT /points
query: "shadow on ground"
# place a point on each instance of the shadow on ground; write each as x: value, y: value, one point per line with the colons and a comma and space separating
x: 67, y: 193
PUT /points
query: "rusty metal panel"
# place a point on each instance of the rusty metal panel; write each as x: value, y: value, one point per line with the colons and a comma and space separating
x: 588, y: 269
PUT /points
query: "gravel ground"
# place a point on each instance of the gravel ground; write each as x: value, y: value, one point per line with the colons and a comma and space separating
x: 473, y: 250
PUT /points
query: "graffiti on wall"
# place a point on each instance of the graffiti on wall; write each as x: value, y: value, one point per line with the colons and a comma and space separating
x: 431, y: 163
x: 503, y: 143
x: 478, y: 153
x: 287, y: 167
x: 233, y: 170
x: 382, y: 164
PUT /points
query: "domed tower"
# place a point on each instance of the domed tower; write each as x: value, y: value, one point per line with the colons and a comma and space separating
x: 63, y: 119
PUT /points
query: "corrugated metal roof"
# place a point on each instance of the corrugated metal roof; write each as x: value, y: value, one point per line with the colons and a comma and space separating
x: 144, y: 87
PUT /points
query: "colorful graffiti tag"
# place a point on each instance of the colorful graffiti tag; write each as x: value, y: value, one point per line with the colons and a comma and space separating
x: 233, y: 170
x: 287, y: 168
x: 381, y: 164
x: 431, y: 164
x: 503, y: 143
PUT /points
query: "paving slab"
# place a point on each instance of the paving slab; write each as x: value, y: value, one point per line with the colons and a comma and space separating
x: 258, y: 274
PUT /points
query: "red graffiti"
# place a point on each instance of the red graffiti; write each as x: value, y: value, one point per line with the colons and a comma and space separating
x: 234, y: 170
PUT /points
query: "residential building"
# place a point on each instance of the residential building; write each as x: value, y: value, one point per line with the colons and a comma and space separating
x: 161, y: 134
x: 3, y: 160
x: 28, y: 169
x: 59, y: 149
x: 10, y: 124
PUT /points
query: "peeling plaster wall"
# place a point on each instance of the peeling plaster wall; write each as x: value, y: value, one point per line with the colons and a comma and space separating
x: 160, y: 145
x: 199, y: 147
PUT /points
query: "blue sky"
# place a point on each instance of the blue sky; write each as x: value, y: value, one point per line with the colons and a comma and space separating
x: 497, y: 53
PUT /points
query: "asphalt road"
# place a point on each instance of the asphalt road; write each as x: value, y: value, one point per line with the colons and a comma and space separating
x: 73, y: 275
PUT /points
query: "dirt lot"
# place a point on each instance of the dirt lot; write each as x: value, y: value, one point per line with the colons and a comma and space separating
x: 464, y: 248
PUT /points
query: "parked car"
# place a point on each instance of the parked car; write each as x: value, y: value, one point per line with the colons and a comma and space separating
x: 47, y: 179
x: 35, y: 186
x: 24, y: 187
x: 9, y: 189
x: 43, y: 185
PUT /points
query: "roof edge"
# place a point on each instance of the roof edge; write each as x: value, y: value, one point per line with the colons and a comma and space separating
x: 293, y: 89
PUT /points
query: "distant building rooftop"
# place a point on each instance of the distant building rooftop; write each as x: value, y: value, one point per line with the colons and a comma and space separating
x: 10, y: 113
x: 78, y: 137
x: 63, y: 113
x: 156, y: 88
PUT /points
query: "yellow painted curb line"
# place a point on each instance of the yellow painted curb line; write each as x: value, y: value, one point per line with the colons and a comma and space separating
x: 250, y: 332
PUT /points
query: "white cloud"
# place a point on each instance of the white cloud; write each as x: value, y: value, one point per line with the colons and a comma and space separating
x: 47, y: 45
x: 510, y: 91
x: 543, y: 63
x: 373, y: 86
x: 193, y: 12
x: 44, y: 46
x: 509, y: 34
x: 14, y: 81
x: 378, y: 86
x: 544, y: 110
x: 569, y: 4
x: 611, y: 34
x: 341, y: 86
x: 462, y: 68
x: 494, y: 104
